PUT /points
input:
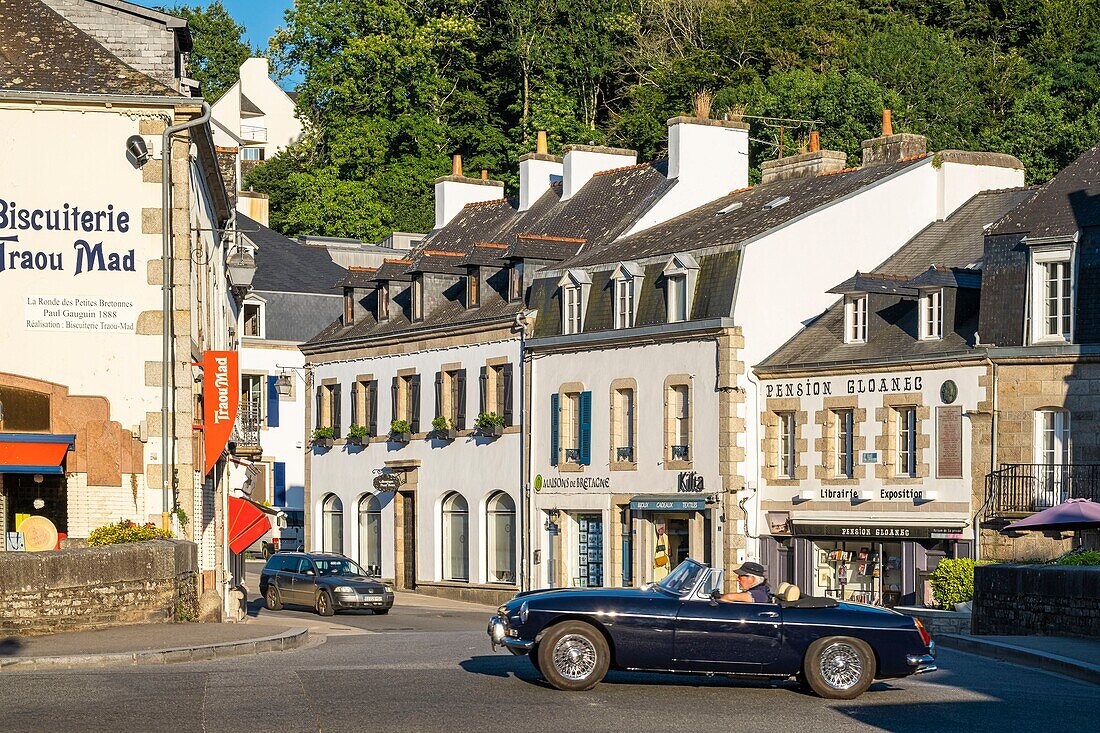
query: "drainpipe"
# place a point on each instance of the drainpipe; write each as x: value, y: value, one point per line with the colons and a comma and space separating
x: 521, y: 325
x: 754, y: 451
x: 992, y: 463
x: 168, y: 382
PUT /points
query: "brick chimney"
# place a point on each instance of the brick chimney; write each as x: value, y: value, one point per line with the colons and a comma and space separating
x: 891, y: 148
x: 814, y: 162
x: 584, y: 161
x: 455, y: 191
x: 537, y: 171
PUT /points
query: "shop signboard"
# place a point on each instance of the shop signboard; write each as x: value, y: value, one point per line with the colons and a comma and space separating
x: 671, y: 504
x: 387, y: 482
x: 878, y: 532
x: 221, y: 395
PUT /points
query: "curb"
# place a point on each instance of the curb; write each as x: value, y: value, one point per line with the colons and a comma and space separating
x: 289, y: 639
x: 1076, y: 668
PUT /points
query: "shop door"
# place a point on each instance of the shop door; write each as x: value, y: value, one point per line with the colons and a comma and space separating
x: 21, y: 492
x: 589, y: 550
x: 727, y: 637
x: 408, y: 568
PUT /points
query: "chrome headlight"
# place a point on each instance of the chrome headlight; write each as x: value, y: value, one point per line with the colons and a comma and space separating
x: 389, y: 588
x: 523, y: 611
x: 344, y: 589
x: 503, y: 610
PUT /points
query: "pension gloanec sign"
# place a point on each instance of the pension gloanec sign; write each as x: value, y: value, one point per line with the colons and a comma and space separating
x: 221, y: 396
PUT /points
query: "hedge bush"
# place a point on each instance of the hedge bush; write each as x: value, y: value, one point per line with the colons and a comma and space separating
x: 953, y: 582
x: 1087, y: 558
x: 126, y: 531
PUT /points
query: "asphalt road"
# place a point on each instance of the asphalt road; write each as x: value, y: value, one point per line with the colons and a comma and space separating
x: 403, y: 672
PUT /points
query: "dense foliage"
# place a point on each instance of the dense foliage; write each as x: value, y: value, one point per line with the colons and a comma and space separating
x: 218, y: 49
x: 953, y: 582
x: 1087, y: 558
x: 126, y: 531
x: 391, y: 88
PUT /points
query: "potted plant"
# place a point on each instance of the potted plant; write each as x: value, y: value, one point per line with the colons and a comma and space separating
x: 444, y: 429
x: 400, y: 431
x: 323, y: 437
x: 490, y: 424
x: 357, y: 434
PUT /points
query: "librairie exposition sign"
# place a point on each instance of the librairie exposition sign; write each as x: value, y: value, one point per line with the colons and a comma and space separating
x: 221, y: 395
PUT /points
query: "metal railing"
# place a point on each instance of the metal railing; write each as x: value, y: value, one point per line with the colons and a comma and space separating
x: 680, y: 453
x: 1023, y: 488
x: 572, y: 455
x: 254, y: 133
x: 246, y: 433
x: 625, y: 453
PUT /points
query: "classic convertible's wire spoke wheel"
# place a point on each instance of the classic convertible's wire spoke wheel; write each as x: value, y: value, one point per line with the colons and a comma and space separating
x: 574, y: 657
x: 841, y: 666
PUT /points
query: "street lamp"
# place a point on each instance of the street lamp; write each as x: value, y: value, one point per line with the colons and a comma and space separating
x: 242, y: 269
x: 283, y: 384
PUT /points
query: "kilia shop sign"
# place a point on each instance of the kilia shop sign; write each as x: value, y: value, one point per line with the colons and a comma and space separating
x: 221, y: 395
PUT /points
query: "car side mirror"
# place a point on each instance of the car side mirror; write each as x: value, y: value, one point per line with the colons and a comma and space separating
x: 715, y: 596
x: 309, y: 571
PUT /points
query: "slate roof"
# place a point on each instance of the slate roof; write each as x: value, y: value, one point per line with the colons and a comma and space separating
x: 296, y: 316
x: 874, y: 282
x: 41, y: 51
x: 395, y: 269
x: 247, y: 105
x: 359, y: 277
x: 1066, y: 203
x: 892, y: 331
x: 948, y: 277
x: 288, y: 266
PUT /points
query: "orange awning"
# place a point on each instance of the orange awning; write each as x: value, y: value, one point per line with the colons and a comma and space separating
x: 247, y: 523
x: 33, y: 452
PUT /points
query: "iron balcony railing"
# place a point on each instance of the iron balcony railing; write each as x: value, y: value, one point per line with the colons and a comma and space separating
x: 625, y: 453
x: 572, y: 455
x: 254, y: 133
x: 1023, y: 488
x: 246, y: 433
x: 680, y: 453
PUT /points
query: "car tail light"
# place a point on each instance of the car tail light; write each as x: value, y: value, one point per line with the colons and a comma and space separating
x: 924, y: 635
x: 275, y: 541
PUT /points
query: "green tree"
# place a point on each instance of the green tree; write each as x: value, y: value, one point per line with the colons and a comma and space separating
x: 219, y: 48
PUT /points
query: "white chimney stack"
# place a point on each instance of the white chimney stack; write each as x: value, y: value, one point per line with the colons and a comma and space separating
x: 537, y: 171
x: 584, y: 161
x: 455, y: 191
x: 707, y: 159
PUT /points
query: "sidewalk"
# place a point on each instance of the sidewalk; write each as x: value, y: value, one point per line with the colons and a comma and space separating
x: 147, y: 644
x: 1070, y: 656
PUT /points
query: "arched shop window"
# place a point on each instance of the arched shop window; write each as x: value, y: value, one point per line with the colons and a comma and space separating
x: 332, y: 524
x: 370, y: 532
x: 456, y: 538
x: 500, y: 515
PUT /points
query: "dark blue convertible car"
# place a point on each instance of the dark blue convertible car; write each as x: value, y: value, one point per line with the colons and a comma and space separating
x: 573, y: 636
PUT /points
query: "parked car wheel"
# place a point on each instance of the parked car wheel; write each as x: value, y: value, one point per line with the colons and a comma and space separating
x: 573, y: 656
x: 381, y: 611
x: 839, y: 667
x: 324, y: 604
x: 267, y: 552
x: 273, y: 601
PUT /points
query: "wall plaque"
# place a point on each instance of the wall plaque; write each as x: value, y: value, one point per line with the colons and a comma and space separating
x: 949, y: 442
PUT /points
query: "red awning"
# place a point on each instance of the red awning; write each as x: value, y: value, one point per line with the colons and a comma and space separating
x: 33, y: 453
x: 247, y: 523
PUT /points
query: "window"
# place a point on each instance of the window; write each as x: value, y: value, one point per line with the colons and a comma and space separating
x: 370, y: 532
x: 473, y: 288
x: 253, y: 396
x: 364, y: 404
x: 456, y: 546
x: 677, y: 298
x: 855, y: 319
x: 623, y: 427
x: 500, y: 515
x: 349, y: 306
x: 844, y: 454
x: 252, y: 153
x: 680, y: 404
x: 418, y: 297
x: 515, y: 281
x: 571, y: 428
x: 450, y: 397
x: 907, y: 441
x: 785, y: 459
x: 624, y: 303
x: 571, y: 318
x: 931, y: 315
x: 1053, y: 454
x: 327, y: 408
x: 1056, y: 299
x: 383, y: 301
x: 496, y: 391
x: 405, y: 399
x: 252, y: 323
x: 332, y: 524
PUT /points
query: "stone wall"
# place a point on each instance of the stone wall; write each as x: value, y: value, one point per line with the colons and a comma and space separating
x: 97, y: 587
x: 938, y: 621
x: 1042, y: 600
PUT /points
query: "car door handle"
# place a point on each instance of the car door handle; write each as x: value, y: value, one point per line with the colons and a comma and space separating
x: 768, y: 614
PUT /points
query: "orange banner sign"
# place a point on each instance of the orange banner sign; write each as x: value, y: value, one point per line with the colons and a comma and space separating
x: 221, y: 395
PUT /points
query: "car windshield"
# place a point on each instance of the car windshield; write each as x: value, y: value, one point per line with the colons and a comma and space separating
x: 337, y: 567
x: 683, y: 578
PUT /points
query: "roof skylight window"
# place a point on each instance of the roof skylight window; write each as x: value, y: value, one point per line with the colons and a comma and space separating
x: 776, y: 202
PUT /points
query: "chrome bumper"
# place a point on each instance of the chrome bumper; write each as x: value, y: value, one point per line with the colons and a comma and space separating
x: 498, y: 636
x: 923, y: 662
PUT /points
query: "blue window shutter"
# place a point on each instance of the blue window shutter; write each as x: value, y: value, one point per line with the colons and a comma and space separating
x: 272, y: 403
x: 586, y: 428
x: 555, y: 419
x: 279, y: 480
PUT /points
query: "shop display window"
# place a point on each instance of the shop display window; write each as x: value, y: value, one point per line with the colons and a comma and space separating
x: 860, y: 571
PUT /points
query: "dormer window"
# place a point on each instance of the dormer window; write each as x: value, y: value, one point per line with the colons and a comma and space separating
x: 252, y: 319
x: 1052, y: 293
x: 679, y: 273
x: 383, y: 301
x: 855, y: 319
x: 625, y: 282
x: 931, y: 315
x: 473, y: 287
x: 574, y: 289
x: 418, y: 297
x: 349, y: 306
x: 515, y: 281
